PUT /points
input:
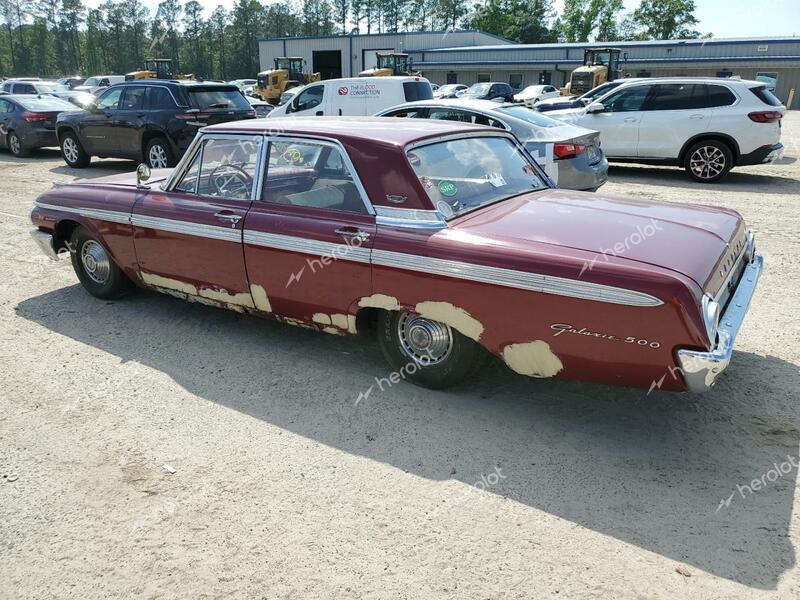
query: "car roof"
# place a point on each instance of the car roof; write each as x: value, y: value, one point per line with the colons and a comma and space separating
x: 352, y: 129
x: 468, y: 103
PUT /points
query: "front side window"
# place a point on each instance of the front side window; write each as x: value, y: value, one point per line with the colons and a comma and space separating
x: 133, y: 99
x: 224, y: 167
x: 311, y: 175
x: 626, y: 100
x: 109, y: 100
x: 24, y: 88
x: 408, y: 113
x: 465, y: 174
x: 310, y: 98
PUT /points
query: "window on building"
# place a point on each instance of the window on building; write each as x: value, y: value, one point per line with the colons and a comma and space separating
x: 515, y: 81
x: 484, y: 77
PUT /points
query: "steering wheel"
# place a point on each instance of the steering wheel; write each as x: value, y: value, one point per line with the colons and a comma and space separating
x: 231, y: 181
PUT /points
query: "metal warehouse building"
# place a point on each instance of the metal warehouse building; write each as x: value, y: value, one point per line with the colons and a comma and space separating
x: 470, y: 56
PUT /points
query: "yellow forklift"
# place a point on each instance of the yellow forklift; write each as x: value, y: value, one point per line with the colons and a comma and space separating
x: 288, y: 73
x: 599, y: 65
x: 389, y: 64
x: 156, y: 68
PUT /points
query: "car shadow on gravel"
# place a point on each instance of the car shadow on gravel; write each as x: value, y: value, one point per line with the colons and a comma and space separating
x: 672, y: 474
x: 737, y: 181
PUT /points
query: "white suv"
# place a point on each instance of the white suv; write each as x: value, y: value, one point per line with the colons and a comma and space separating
x: 706, y: 125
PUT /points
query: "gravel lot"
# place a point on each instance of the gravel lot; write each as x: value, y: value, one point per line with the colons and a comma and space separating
x: 286, y: 487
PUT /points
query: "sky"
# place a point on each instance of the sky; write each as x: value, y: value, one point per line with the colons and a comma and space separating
x: 723, y: 18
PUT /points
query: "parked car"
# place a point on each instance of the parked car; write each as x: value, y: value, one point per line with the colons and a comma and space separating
x: 562, y: 102
x: 570, y: 155
x: 262, y: 108
x: 706, y: 125
x: 34, y: 88
x: 449, y: 91
x: 29, y: 122
x: 354, y: 96
x: 242, y: 84
x: 533, y: 94
x: 488, y: 91
x: 95, y: 84
x: 71, y: 82
x: 288, y: 95
x: 434, y: 87
x: 151, y: 120
x: 446, y: 239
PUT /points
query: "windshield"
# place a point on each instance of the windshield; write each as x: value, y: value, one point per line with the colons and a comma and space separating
x: 600, y: 90
x: 217, y: 98
x: 477, y: 89
x: 92, y: 81
x: 531, y: 116
x: 465, y: 174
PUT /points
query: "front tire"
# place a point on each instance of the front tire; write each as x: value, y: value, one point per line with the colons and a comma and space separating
x: 72, y: 151
x: 708, y: 161
x: 427, y: 352
x: 95, y: 268
x: 15, y: 145
x: 158, y: 154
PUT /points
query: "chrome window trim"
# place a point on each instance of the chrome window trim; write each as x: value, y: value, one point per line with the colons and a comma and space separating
x: 410, y: 217
x: 331, y: 143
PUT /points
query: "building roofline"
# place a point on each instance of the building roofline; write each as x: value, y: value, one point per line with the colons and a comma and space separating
x: 635, y: 61
x: 383, y: 34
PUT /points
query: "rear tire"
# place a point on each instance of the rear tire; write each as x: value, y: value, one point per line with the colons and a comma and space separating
x: 158, y: 154
x: 15, y: 145
x: 426, y: 352
x: 96, y: 270
x: 708, y: 161
x: 72, y: 151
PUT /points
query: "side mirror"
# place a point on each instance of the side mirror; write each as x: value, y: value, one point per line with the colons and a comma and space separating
x: 142, y: 175
x: 595, y: 107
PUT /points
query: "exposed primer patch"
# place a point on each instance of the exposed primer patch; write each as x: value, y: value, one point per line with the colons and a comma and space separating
x: 332, y: 330
x: 242, y: 299
x: 379, y: 301
x: 321, y: 318
x: 351, y: 324
x: 296, y: 323
x: 457, y: 318
x: 534, y: 359
x: 339, y: 320
x: 260, y: 299
x: 167, y: 283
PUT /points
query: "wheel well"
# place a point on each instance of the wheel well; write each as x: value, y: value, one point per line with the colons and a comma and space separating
x: 719, y: 137
x: 367, y: 320
x: 150, y: 135
x: 61, y: 131
x: 63, y: 232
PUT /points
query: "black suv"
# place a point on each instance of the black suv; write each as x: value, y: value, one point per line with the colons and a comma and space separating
x: 152, y: 120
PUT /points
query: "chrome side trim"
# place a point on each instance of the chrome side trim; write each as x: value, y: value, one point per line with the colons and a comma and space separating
x: 354, y: 253
x: 533, y: 282
x: 93, y: 213
x: 409, y: 217
x: 701, y: 369
x: 198, y: 229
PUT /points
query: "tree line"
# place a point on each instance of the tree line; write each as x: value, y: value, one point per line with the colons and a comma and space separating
x: 48, y: 38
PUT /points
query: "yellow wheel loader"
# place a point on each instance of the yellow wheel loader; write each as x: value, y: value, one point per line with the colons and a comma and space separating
x: 288, y: 73
x: 389, y: 64
x: 156, y: 68
x: 599, y: 65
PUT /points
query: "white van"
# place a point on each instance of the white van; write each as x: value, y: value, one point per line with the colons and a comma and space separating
x: 354, y: 96
x: 98, y: 83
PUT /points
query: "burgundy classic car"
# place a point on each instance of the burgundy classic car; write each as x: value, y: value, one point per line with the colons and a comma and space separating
x: 445, y: 238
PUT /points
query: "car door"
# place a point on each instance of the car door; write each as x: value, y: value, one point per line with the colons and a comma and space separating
x: 673, y: 114
x: 6, y: 108
x: 550, y: 92
x: 309, y: 102
x: 97, y: 126
x: 618, y: 122
x: 188, y: 238
x: 307, y: 239
x: 129, y: 121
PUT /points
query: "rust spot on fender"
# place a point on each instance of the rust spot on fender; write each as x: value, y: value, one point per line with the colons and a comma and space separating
x: 534, y: 359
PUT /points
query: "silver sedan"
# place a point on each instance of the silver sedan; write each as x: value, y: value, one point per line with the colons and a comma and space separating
x: 569, y: 154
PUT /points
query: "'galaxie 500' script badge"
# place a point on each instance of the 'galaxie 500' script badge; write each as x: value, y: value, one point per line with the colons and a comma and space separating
x: 560, y: 328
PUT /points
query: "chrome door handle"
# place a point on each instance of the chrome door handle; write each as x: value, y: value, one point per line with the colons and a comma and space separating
x: 630, y: 119
x: 228, y: 216
x: 353, y: 233
x: 697, y: 117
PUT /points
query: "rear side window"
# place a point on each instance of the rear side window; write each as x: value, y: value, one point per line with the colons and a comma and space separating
x: 417, y: 90
x: 408, y: 113
x: 217, y: 98
x: 159, y: 98
x: 719, y: 95
x: 24, y: 88
x: 677, y: 96
x: 767, y: 97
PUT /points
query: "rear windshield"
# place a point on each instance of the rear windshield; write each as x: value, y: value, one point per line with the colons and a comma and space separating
x: 465, y: 174
x: 767, y: 97
x: 210, y: 98
x: 531, y: 116
x: 45, y: 104
x: 417, y: 90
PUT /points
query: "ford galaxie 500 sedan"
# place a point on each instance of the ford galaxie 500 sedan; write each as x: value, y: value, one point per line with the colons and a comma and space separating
x: 443, y: 237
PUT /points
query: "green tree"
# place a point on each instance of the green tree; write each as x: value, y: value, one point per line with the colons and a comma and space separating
x: 524, y: 21
x: 665, y: 19
x: 581, y: 19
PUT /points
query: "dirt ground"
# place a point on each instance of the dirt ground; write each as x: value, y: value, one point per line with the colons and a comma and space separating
x: 286, y: 486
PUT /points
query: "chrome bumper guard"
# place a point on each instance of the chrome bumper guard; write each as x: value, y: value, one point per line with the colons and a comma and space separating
x: 701, y: 369
x: 45, y: 243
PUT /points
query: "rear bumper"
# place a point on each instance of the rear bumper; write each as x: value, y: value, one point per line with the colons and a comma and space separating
x: 701, y: 369
x: 764, y: 154
x: 577, y: 174
x: 45, y: 242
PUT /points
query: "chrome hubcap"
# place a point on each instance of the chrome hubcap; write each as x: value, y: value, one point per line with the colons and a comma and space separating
x: 14, y: 144
x: 707, y: 162
x: 70, y: 149
x: 424, y: 341
x: 95, y: 261
x: 157, y: 157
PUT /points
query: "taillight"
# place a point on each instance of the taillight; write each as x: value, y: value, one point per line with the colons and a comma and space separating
x: 192, y: 116
x: 766, y: 116
x: 561, y: 151
x: 30, y: 116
